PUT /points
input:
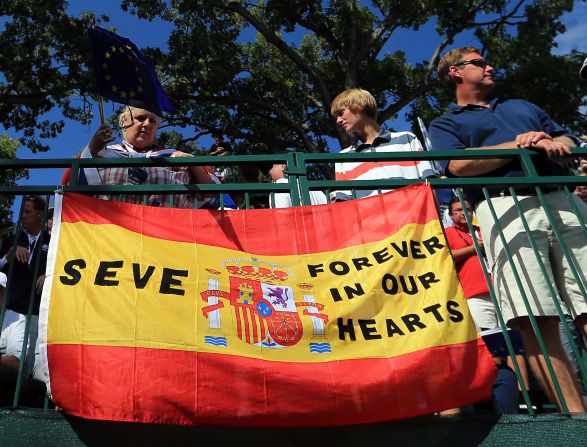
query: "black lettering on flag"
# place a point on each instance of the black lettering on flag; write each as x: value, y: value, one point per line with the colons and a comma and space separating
x: 349, y: 291
x: 382, y: 255
x: 361, y: 262
x: 389, y: 284
x: 335, y: 294
x: 168, y: 280
x: 142, y: 281
x: 434, y: 311
x: 414, y: 288
x: 403, y: 251
x: 455, y: 315
x: 315, y: 269
x: 432, y: 244
x: 415, y: 249
x: 347, y: 328
x: 428, y: 278
x: 357, y: 291
x: 70, y: 269
x: 392, y: 328
x: 412, y: 321
x: 339, y: 268
x: 369, y: 332
x: 104, y: 273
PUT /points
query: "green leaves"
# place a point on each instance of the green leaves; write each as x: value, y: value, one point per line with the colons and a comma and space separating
x: 265, y: 72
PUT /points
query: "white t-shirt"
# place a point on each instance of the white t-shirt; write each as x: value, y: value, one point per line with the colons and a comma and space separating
x: 12, y: 334
x: 283, y: 199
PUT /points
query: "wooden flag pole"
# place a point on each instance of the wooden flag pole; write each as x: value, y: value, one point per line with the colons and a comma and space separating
x: 101, y: 109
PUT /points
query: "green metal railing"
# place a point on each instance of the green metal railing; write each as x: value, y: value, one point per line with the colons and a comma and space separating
x: 299, y: 188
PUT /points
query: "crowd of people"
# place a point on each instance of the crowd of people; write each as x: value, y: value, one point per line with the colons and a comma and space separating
x: 523, y: 282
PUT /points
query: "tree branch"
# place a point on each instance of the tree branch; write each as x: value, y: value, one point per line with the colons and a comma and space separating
x: 387, y: 113
x: 295, y: 126
x: 394, y: 108
x: 291, y: 53
x: 503, y: 19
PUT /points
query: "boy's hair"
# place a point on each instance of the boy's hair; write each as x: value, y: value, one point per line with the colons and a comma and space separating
x: 452, y: 57
x: 355, y: 99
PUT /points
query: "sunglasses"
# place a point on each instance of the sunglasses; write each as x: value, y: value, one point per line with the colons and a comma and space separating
x: 481, y: 63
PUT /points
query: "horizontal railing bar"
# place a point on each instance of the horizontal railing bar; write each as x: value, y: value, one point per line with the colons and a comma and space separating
x: 255, y: 159
x: 284, y: 187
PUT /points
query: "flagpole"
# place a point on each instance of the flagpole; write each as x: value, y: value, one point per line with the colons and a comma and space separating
x: 101, y: 108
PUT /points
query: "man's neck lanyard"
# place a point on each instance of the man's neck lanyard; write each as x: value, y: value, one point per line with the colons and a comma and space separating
x: 460, y: 233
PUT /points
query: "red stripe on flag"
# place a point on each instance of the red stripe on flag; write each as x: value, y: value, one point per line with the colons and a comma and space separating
x: 238, y: 318
x: 249, y: 230
x: 254, y: 322
x: 246, y: 323
x: 263, y: 325
x: 138, y: 384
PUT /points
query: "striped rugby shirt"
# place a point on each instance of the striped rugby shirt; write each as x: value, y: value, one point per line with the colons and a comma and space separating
x: 386, y: 142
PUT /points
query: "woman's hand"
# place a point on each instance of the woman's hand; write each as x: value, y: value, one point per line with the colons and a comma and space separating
x: 101, y: 138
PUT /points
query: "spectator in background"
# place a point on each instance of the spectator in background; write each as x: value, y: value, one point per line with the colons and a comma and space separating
x: 246, y: 174
x: 219, y: 149
x: 11, y: 343
x: 356, y: 111
x: 468, y: 265
x: 478, y: 122
x: 50, y: 212
x: 139, y: 130
x: 11, y: 339
x: 31, y: 245
x: 277, y: 174
x: 12, y: 335
x: 476, y: 291
x: 581, y: 190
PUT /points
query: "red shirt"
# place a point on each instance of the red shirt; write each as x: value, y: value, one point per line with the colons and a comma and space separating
x: 469, y: 271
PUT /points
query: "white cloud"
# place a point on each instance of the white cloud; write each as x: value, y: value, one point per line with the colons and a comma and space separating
x: 575, y: 37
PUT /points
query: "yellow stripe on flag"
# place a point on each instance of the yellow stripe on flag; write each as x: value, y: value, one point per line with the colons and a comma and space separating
x: 153, y: 298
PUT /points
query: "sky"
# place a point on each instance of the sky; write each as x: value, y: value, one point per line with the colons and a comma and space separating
x: 155, y: 33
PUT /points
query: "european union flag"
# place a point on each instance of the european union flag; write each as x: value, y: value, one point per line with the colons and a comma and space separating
x: 124, y: 74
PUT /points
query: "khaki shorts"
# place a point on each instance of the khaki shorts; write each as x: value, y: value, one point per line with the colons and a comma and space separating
x: 534, y: 283
x: 483, y: 311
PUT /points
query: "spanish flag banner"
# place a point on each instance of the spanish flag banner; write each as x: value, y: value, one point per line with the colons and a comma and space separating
x: 319, y: 315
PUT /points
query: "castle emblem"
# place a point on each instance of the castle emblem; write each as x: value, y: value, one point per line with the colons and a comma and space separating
x: 263, y: 309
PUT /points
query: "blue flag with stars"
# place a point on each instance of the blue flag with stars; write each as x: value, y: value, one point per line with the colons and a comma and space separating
x: 124, y: 74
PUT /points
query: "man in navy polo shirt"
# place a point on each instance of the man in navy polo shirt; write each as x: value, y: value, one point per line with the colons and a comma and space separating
x: 476, y: 121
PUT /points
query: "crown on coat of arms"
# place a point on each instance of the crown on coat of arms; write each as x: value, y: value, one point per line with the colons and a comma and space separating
x: 257, y: 269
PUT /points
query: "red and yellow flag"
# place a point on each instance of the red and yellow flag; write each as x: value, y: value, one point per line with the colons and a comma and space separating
x: 320, y: 315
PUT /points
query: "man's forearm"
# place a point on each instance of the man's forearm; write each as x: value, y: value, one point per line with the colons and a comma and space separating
x: 200, y: 175
x: 460, y: 254
x: 468, y: 168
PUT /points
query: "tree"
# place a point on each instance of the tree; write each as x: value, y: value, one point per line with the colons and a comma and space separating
x: 8, y: 177
x: 265, y: 72
x: 275, y: 91
x: 43, y: 64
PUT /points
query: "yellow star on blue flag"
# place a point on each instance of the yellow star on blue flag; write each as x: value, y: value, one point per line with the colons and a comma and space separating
x: 124, y: 74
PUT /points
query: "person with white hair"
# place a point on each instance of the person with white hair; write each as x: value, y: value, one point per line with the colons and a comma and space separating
x: 139, y: 130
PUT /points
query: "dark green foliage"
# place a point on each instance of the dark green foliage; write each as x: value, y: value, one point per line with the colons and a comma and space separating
x: 266, y: 72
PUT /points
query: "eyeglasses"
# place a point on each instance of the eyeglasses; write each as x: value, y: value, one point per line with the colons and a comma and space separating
x: 481, y: 63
